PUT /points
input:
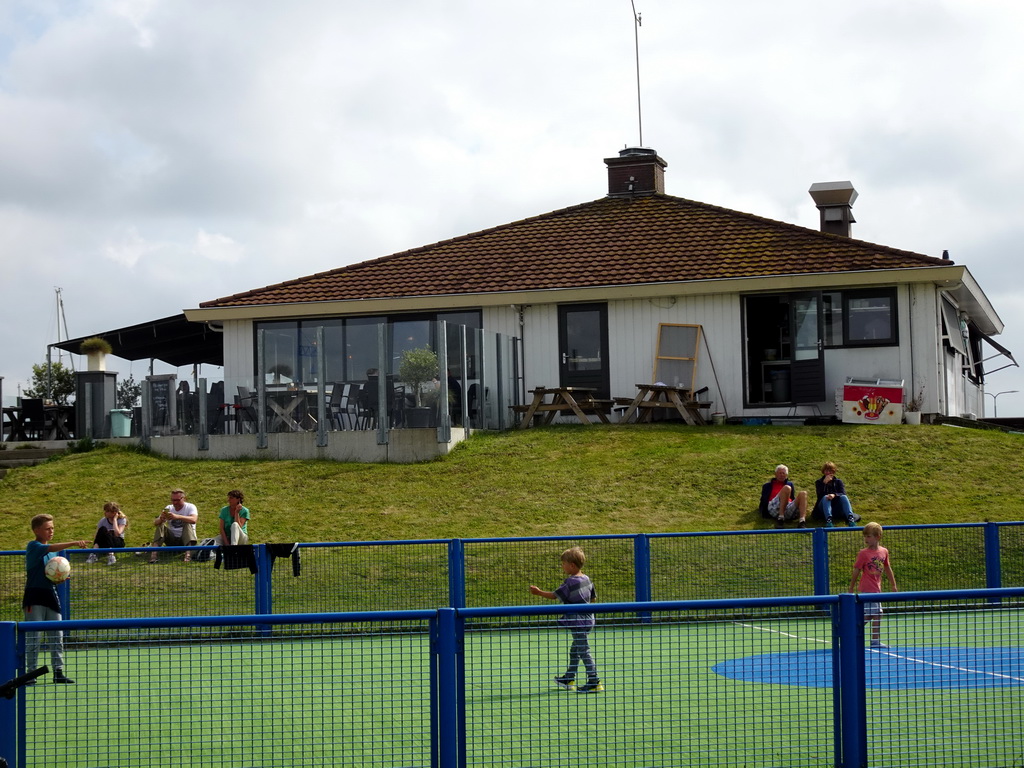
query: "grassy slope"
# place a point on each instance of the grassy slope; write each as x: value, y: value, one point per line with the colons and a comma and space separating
x: 568, y: 480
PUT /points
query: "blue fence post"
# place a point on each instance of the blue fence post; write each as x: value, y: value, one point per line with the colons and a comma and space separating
x: 819, y: 544
x: 447, y: 708
x: 642, y: 567
x: 8, y: 707
x: 642, y: 572
x: 853, y: 730
x: 456, y: 574
x: 264, y: 587
x: 993, y: 561
x: 64, y: 596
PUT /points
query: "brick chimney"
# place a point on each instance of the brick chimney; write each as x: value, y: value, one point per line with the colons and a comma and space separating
x: 636, y: 171
x: 835, y: 202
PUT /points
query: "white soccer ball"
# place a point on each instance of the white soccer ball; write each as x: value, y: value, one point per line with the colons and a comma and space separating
x: 58, y: 569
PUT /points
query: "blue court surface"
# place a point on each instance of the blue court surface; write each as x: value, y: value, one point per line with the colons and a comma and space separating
x: 892, y: 668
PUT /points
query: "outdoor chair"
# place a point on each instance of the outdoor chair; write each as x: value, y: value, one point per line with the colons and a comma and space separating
x: 246, y: 419
x: 33, y: 417
x: 366, y: 402
x: 341, y: 410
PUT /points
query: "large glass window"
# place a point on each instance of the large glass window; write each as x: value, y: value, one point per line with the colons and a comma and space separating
x: 360, y: 347
x: 281, y: 351
x: 350, y: 344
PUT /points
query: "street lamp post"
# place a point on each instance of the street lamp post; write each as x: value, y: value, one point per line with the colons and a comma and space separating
x: 995, y: 399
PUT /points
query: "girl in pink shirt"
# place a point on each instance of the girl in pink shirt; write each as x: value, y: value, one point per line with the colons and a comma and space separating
x: 871, y: 563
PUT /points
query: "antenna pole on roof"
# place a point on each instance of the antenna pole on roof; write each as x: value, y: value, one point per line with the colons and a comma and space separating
x: 636, y: 42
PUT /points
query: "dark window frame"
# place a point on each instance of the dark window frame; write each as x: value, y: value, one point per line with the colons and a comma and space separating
x: 845, y: 297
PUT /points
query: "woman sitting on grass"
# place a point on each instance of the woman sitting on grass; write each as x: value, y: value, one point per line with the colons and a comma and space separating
x: 831, y: 494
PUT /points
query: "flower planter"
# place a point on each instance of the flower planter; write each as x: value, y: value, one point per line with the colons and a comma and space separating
x: 96, y: 361
x: 419, y: 418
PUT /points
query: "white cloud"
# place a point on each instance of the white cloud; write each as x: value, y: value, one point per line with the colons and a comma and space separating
x: 219, y: 248
x: 146, y: 144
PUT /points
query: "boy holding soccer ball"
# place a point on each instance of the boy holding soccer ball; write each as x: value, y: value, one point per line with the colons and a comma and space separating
x: 41, y: 602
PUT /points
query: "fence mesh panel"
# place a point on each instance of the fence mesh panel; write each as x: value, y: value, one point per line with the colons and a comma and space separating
x: 329, y: 695
x: 364, y: 577
x: 170, y: 587
x: 1011, y: 555
x: 948, y: 689
x: 923, y: 559
x: 664, y: 701
x: 725, y: 566
x: 500, y: 572
x: 413, y: 575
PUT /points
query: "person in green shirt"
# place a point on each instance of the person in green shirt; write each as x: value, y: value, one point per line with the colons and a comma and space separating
x: 234, y: 520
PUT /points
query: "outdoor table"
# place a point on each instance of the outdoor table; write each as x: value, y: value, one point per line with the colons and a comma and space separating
x: 57, y: 419
x: 652, y: 398
x: 284, y: 406
x: 576, y: 400
x: 15, y: 425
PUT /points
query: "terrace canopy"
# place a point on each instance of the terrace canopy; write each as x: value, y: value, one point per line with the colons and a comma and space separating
x: 174, y: 340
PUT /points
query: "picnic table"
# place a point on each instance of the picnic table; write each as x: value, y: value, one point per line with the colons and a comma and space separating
x: 552, y: 401
x: 656, y: 398
x: 14, y: 427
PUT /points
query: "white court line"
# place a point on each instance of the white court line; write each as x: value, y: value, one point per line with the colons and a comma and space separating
x: 784, y: 634
x: 948, y: 666
x: 888, y: 653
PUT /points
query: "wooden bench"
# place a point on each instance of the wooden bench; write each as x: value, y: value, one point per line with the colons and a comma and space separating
x: 546, y: 412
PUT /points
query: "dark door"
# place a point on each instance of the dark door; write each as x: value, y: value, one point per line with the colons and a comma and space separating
x: 583, y: 347
x: 807, y: 383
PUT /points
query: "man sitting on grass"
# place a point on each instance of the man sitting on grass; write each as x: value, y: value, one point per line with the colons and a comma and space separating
x: 779, y: 499
x: 176, y: 524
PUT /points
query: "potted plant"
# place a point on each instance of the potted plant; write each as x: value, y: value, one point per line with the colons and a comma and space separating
x: 418, y: 366
x: 96, y: 350
x: 912, y: 408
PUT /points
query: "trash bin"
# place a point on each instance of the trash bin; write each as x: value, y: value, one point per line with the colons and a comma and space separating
x: 779, y: 378
x: 121, y: 422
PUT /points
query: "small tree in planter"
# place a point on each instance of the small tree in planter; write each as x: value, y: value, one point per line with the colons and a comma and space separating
x: 418, y: 366
x: 96, y: 350
x: 128, y: 393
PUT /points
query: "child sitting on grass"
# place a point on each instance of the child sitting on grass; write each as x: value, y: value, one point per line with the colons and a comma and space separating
x: 576, y: 589
x: 109, y: 531
x: 871, y: 562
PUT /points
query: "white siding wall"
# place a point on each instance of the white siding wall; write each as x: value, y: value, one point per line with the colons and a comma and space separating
x: 633, y: 340
x: 633, y: 328
x: 238, y: 356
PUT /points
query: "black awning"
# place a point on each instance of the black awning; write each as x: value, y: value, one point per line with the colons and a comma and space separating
x: 174, y: 340
x: 1002, y: 351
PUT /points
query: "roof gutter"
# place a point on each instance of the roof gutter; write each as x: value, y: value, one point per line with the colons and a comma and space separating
x: 950, y: 277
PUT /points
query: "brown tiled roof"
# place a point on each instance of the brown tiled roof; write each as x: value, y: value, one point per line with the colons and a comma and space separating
x: 611, y: 241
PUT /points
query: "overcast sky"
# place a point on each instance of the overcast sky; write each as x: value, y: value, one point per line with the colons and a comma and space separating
x: 158, y: 153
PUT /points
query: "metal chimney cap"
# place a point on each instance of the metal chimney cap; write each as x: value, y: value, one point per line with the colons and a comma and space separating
x: 638, y: 152
x: 829, y: 193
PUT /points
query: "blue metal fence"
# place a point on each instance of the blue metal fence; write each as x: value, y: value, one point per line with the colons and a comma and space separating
x: 459, y: 573
x: 752, y: 682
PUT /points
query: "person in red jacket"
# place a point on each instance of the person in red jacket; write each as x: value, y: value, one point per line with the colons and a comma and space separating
x: 781, y: 501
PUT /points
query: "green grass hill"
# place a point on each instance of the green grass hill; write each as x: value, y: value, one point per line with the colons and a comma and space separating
x: 565, y: 480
